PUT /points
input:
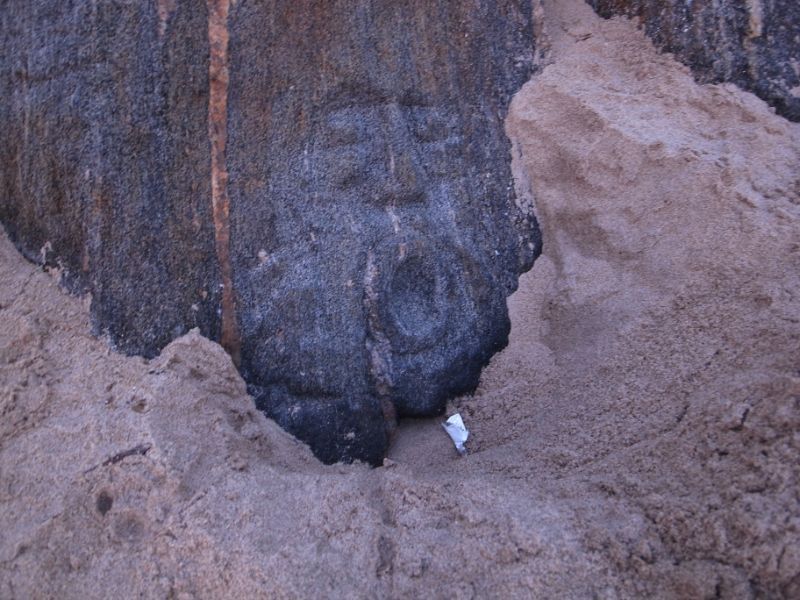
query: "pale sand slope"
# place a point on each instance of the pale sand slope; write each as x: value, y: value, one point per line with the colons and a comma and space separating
x: 640, y: 435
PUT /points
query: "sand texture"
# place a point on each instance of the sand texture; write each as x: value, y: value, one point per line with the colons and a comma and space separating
x: 638, y: 437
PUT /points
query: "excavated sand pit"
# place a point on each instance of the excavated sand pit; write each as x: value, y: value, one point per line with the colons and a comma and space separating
x: 639, y: 436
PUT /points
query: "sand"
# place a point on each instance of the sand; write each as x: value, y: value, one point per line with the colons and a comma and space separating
x: 639, y: 436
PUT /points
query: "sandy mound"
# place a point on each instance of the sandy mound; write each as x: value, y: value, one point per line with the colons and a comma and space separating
x: 639, y: 435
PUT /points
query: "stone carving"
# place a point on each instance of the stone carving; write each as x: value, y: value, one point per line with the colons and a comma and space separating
x: 324, y: 187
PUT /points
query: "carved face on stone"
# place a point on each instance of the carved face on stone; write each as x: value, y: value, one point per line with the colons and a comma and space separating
x: 428, y: 306
x: 375, y: 236
x: 386, y: 294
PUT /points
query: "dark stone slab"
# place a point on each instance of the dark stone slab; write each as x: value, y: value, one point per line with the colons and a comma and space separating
x: 322, y: 186
x: 752, y: 43
x: 104, y: 168
x: 375, y: 234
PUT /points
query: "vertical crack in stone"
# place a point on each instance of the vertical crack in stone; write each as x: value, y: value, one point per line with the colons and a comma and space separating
x: 217, y: 133
x: 378, y: 347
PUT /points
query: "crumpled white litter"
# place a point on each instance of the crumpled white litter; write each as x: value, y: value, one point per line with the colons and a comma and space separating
x: 454, y: 426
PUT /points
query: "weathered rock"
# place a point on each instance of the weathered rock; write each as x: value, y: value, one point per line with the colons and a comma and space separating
x: 375, y: 235
x: 105, y: 165
x: 752, y: 43
x: 322, y: 186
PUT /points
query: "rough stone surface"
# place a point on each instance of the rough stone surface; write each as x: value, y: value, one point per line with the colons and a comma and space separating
x: 752, y: 43
x: 104, y: 168
x: 323, y: 187
x: 374, y: 231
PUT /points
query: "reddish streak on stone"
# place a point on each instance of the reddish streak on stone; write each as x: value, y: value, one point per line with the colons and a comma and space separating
x: 217, y: 133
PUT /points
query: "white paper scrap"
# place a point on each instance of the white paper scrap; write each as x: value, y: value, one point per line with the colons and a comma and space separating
x: 454, y: 426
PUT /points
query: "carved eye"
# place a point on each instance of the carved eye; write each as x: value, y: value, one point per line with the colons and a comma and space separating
x: 349, y: 169
x: 342, y: 128
x: 431, y: 124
